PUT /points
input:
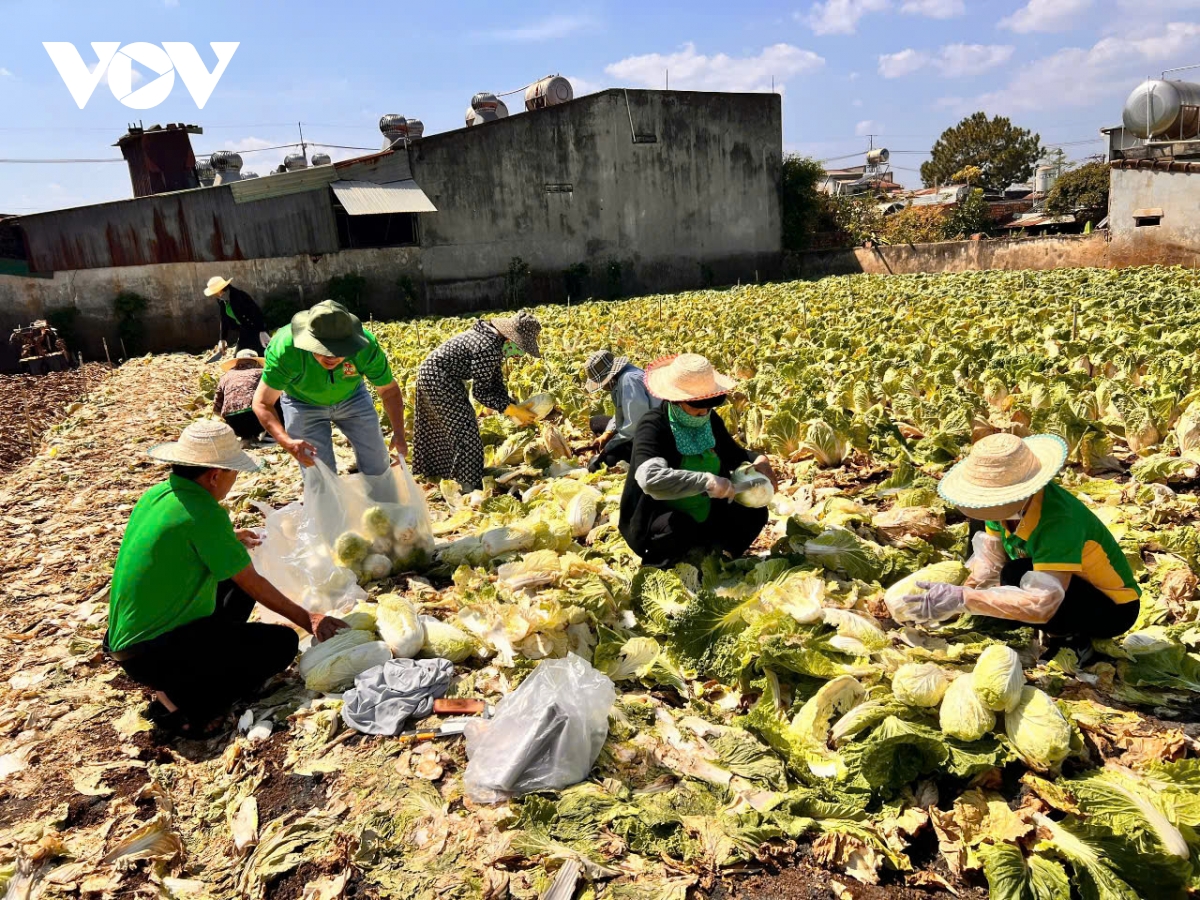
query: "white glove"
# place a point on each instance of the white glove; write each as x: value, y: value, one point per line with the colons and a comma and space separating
x: 720, y: 488
x: 264, y: 339
x: 221, y: 346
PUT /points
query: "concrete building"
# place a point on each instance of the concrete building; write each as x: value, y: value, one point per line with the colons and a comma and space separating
x: 662, y: 190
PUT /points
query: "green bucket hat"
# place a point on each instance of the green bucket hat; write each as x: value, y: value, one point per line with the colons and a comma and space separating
x: 328, y: 329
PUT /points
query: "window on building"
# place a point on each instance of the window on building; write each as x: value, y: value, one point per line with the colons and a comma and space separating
x: 1143, y: 218
x: 383, y: 230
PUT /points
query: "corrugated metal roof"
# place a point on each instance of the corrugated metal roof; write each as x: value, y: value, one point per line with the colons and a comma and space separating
x: 366, y: 198
x: 1035, y: 221
x: 282, y: 184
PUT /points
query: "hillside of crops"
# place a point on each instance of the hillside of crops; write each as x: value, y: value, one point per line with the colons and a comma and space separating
x: 775, y: 732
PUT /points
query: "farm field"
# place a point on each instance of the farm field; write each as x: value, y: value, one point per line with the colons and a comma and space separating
x: 759, y: 745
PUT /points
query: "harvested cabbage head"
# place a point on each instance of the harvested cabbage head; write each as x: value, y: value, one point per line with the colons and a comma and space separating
x: 332, y: 665
x: 376, y: 566
x: 920, y: 684
x: 754, y: 489
x: 963, y: 714
x: 376, y: 522
x: 399, y: 626
x: 999, y: 678
x: 350, y: 549
x: 446, y: 641
x: 1038, y: 729
x: 952, y: 572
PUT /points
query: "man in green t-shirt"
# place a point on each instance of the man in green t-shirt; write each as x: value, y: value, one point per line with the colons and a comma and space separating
x: 183, y: 588
x: 317, y: 366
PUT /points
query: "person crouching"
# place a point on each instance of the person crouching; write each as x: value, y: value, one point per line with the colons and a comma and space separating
x: 677, y: 493
x: 183, y: 588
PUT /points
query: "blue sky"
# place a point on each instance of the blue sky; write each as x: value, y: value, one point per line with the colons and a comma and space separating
x: 900, y: 69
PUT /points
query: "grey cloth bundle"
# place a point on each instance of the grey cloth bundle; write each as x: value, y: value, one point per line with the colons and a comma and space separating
x: 385, y: 697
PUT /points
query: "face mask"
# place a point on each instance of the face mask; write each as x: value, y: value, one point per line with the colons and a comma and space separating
x: 511, y: 350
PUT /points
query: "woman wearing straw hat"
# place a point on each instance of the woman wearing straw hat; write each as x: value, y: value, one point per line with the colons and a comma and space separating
x: 315, y: 368
x: 183, y: 588
x: 238, y: 312
x: 446, y: 442
x: 677, y: 493
x: 1042, y: 558
x: 234, y: 397
x: 626, y: 385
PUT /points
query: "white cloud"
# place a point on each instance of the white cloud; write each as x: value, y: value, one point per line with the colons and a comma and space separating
x: 897, y: 65
x: 549, y: 29
x: 1158, y: 6
x: 695, y: 71
x: 865, y: 127
x: 952, y: 61
x: 4, y: 73
x: 841, y: 16
x: 1046, y: 15
x: 1109, y: 69
x: 957, y: 60
x: 935, y: 9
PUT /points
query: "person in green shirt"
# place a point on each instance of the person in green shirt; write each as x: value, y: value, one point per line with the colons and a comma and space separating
x: 183, y: 588
x: 1041, y: 557
x: 317, y: 366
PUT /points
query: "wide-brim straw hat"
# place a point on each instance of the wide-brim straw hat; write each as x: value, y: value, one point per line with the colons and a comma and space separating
x: 522, y: 329
x: 208, y: 443
x: 1001, y: 470
x: 687, y: 376
x: 602, y: 367
x: 241, y: 357
x: 328, y: 329
x: 216, y: 284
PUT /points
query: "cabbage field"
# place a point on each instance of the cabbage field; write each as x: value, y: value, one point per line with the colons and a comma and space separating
x: 770, y: 716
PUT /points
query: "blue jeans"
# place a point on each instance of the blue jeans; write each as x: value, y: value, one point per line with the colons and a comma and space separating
x: 355, y: 417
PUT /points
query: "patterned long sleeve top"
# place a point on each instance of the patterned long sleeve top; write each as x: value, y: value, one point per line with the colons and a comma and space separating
x: 476, y: 355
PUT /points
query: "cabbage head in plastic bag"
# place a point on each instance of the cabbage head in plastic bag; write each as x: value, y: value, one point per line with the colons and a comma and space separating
x: 963, y: 714
x: 999, y: 678
x: 332, y: 665
x: 754, y: 489
x: 920, y: 684
x: 1038, y: 729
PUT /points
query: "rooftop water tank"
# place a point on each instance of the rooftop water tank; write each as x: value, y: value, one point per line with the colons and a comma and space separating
x: 549, y: 91
x: 878, y: 157
x: 294, y: 161
x: 1167, y: 109
x: 1044, y: 178
x: 322, y: 159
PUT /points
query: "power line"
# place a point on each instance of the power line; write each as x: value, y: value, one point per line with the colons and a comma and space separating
x: 117, y: 159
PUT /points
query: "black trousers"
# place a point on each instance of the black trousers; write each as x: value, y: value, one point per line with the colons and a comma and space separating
x: 614, y: 452
x: 205, y: 665
x: 730, y: 527
x: 245, y: 424
x: 1086, y: 611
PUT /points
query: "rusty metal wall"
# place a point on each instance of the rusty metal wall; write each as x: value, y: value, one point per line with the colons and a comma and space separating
x: 203, y: 225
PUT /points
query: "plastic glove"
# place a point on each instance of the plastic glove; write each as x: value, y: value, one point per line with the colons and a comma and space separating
x: 720, y: 488
x: 986, y: 562
x: 222, y: 346
x: 936, y: 603
x: 520, y: 415
x: 264, y: 338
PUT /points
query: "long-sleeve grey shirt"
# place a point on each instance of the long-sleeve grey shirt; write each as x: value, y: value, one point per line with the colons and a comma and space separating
x: 661, y: 482
x: 631, y: 401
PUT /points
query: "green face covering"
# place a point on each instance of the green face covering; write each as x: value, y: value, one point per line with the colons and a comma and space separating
x: 693, y: 434
x: 511, y: 350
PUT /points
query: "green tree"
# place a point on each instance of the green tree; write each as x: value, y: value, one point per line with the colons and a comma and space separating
x: 1003, y: 152
x: 800, y: 201
x: 972, y: 216
x: 1085, y: 188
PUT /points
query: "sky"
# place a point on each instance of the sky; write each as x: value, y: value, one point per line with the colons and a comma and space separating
x: 851, y: 72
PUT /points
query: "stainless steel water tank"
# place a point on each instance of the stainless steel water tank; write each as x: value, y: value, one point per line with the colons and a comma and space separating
x: 322, y: 159
x: 549, y: 91
x: 1165, y: 108
x: 294, y: 161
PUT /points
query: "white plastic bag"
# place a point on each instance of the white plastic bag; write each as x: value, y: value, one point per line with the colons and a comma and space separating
x: 311, y: 552
x: 546, y: 734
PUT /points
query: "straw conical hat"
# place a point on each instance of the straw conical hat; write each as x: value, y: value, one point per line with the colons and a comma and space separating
x: 1003, y: 469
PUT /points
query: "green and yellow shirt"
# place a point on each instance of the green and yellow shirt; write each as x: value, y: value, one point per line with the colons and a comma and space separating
x: 178, y: 544
x: 297, y: 373
x: 1060, y: 534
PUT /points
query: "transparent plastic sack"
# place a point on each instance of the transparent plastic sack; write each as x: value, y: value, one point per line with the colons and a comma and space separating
x: 349, y: 530
x: 545, y: 735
